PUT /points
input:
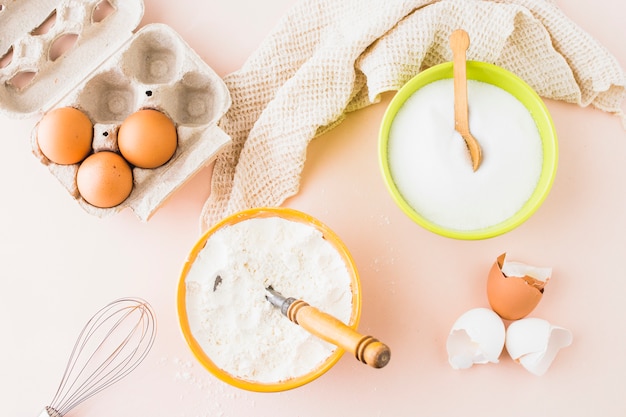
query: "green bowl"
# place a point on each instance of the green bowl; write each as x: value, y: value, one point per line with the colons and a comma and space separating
x: 499, y: 77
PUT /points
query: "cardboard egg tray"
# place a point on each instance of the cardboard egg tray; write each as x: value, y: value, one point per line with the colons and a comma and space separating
x: 109, y: 72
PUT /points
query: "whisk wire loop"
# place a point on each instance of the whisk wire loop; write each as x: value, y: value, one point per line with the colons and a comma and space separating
x: 109, y: 347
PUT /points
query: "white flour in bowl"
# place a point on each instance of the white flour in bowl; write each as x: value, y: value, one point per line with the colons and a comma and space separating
x: 238, y: 329
x: 430, y: 163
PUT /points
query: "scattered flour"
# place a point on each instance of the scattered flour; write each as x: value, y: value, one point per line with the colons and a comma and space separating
x: 430, y: 164
x: 229, y: 316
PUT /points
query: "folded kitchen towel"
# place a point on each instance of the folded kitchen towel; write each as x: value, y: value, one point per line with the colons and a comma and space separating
x: 326, y: 58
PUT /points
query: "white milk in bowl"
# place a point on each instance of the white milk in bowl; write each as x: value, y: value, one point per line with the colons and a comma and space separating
x: 430, y: 163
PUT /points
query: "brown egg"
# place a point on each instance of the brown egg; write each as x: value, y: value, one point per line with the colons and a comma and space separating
x: 104, y: 179
x: 64, y: 135
x: 147, y: 138
x: 512, y: 297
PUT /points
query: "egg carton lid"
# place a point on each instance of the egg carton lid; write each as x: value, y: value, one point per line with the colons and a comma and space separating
x: 29, y: 53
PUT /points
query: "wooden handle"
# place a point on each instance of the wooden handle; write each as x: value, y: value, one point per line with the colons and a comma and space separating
x: 459, y: 42
x: 365, y: 348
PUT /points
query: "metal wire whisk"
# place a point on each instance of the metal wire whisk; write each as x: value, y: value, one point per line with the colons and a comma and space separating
x: 110, y: 346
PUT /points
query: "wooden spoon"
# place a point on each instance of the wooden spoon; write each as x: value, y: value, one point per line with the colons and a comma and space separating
x: 459, y: 42
x: 367, y: 349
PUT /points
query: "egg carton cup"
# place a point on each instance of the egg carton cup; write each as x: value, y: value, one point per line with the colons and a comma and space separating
x: 110, y: 72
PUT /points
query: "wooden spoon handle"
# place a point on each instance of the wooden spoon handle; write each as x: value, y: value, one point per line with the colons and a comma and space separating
x: 365, y: 348
x: 459, y: 42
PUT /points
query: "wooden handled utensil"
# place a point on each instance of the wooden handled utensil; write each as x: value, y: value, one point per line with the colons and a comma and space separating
x: 459, y: 42
x: 365, y: 348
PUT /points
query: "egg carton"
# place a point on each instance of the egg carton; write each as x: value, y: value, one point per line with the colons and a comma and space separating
x: 85, y: 54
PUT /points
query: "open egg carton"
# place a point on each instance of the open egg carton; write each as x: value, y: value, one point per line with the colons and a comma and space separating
x: 85, y: 54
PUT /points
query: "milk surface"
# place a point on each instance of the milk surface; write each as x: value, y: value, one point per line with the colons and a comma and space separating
x: 430, y: 163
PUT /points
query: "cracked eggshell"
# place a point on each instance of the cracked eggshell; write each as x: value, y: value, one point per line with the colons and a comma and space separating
x: 477, y: 337
x: 109, y: 73
x: 514, y: 289
x: 534, y: 343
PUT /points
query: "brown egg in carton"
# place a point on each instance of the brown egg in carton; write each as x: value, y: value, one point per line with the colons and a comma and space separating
x: 108, y: 72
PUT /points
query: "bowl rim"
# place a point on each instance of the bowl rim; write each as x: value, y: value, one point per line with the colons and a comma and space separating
x: 508, y: 81
x: 265, y: 212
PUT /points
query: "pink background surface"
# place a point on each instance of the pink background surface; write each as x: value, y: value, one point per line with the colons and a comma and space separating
x: 58, y: 265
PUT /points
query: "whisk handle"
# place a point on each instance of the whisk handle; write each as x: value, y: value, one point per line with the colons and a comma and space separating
x: 50, y: 412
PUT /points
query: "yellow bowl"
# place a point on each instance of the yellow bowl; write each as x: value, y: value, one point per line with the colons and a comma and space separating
x: 507, y: 81
x: 201, y: 356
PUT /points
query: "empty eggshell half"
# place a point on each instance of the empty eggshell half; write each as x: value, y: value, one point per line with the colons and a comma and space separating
x: 534, y: 343
x: 514, y: 289
x: 477, y: 337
